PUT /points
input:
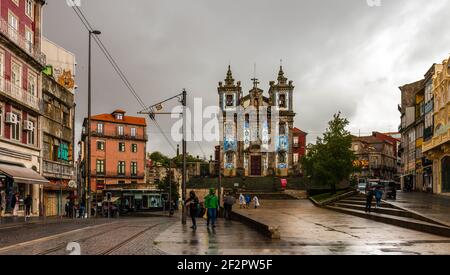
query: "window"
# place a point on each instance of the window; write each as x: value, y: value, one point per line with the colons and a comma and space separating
x: 282, y: 101
x: 16, y: 77
x: 100, y: 167
x: 295, y: 140
x: 134, y: 148
x: 29, y: 38
x: 66, y: 119
x: 2, y: 71
x: 32, y: 84
x: 282, y: 129
x: 230, y: 101
x: 119, y: 116
x: 282, y: 157
x: 133, y: 132
x: 15, y: 129
x: 121, y: 168
x: 121, y: 147
x: 229, y: 157
x: 100, y: 145
x: 16, y: 2
x: 13, y: 26
x: 29, y: 8
x: 31, y: 133
x: 120, y: 130
x: 1, y: 120
x: 134, y: 168
x: 296, y: 158
x: 100, y: 128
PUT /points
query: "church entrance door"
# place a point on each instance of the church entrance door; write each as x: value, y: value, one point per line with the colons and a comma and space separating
x: 255, y: 166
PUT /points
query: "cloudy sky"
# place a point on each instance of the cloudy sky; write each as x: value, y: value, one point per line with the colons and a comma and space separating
x: 343, y: 55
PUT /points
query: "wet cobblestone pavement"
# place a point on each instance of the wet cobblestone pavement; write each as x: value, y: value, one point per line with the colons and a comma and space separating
x: 430, y: 205
x: 125, y: 236
x: 305, y: 229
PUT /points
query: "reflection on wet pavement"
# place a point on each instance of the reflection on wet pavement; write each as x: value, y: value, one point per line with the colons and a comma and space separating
x: 305, y: 229
x: 433, y: 206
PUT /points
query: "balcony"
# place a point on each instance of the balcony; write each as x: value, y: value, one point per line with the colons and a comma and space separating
x: 20, y: 41
x: 19, y: 93
x: 58, y: 170
x: 436, y: 141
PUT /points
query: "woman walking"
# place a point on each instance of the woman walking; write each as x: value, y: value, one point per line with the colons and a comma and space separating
x: 193, y: 208
x: 256, y: 202
x: 241, y: 201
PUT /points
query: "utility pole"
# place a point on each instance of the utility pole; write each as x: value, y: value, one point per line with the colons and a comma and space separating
x: 182, y: 97
x: 219, y: 182
x: 183, y: 185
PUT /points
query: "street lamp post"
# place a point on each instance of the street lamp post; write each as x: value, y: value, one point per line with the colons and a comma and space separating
x: 89, y: 200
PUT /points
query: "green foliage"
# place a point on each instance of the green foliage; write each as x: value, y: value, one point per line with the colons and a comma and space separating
x: 330, y: 160
x: 159, y: 158
x: 164, y: 185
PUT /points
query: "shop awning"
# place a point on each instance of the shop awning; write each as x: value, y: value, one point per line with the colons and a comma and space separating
x: 22, y: 174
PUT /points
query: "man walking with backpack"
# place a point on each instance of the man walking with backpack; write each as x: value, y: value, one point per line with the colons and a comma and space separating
x: 194, y: 206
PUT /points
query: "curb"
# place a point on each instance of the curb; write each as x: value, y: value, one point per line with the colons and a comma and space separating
x: 332, y: 200
x: 270, y: 231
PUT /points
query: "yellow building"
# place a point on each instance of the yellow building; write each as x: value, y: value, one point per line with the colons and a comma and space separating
x: 438, y: 148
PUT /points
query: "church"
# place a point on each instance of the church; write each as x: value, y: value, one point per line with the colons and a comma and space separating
x: 256, y: 130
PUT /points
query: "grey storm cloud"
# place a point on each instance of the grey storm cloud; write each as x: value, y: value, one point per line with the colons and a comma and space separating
x: 342, y: 55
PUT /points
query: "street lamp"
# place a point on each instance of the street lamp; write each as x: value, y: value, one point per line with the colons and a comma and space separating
x: 89, y: 201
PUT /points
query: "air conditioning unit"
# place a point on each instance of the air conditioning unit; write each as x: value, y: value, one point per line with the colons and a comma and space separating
x: 28, y: 125
x: 11, y: 118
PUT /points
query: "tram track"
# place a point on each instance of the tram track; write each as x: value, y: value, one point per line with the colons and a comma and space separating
x: 130, y: 239
x: 81, y: 240
x: 111, y: 249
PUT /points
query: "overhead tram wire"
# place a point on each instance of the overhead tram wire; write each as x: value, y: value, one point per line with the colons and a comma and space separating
x: 101, y: 45
x: 116, y: 67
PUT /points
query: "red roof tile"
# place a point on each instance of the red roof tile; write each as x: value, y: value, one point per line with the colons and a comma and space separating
x: 126, y: 119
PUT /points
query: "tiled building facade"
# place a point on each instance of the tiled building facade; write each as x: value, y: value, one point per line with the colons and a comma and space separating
x: 246, y: 151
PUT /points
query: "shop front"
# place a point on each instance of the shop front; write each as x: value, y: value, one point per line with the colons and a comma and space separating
x: 56, y: 195
x: 16, y: 184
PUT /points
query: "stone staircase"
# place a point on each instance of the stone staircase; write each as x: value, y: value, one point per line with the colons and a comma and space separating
x: 389, y: 214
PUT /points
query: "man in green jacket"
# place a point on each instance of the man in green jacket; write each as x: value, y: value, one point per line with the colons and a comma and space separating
x: 212, y: 204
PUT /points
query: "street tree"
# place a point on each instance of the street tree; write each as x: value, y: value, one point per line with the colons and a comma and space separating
x: 330, y: 160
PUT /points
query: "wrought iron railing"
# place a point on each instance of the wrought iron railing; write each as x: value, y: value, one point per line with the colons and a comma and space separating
x: 19, y: 93
x: 58, y: 169
x: 22, y: 42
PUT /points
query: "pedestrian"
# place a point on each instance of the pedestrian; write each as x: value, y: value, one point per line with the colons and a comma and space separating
x: 241, y: 201
x: 248, y: 199
x: 378, y: 196
x: 194, y: 206
x: 15, y: 204
x: 82, y: 208
x: 211, y: 204
x: 228, y: 205
x: 28, y: 202
x: 67, y: 209
x: 369, y: 198
x: 256, y: 201
x: 2, y: 203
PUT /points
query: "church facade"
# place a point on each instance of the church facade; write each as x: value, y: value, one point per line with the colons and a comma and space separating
x: 256, y: 130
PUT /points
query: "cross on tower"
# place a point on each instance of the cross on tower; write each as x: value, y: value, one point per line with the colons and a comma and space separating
x: 255, y: 82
